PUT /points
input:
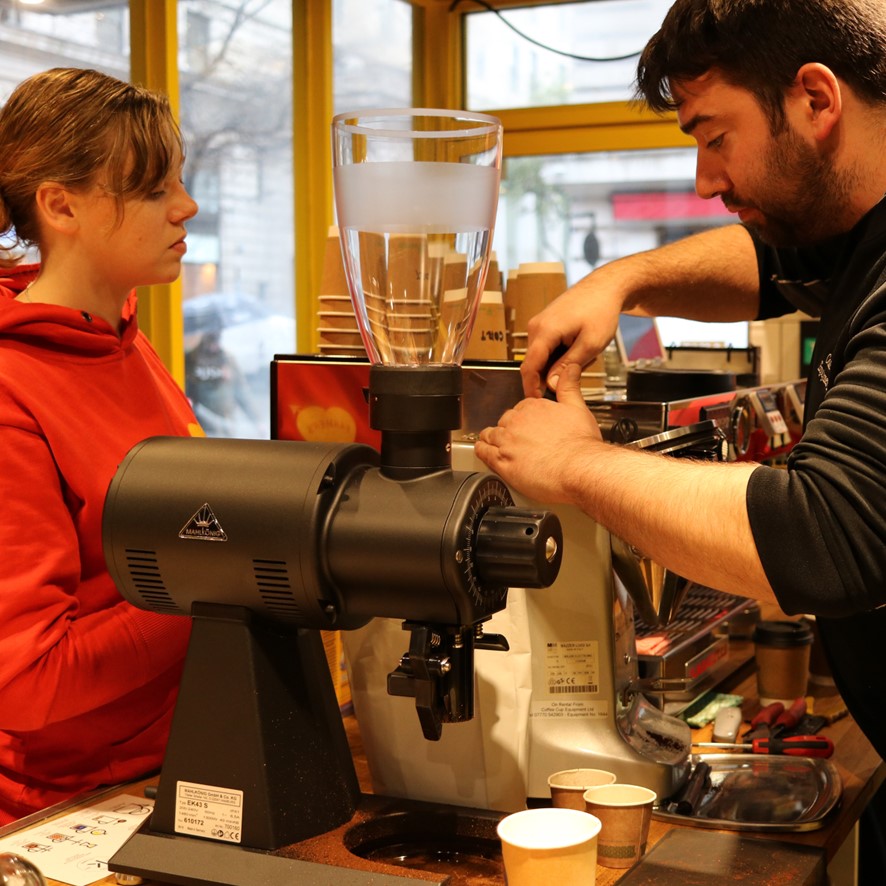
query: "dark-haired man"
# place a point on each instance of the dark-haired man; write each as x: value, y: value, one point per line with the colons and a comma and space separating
x: 786, y: 100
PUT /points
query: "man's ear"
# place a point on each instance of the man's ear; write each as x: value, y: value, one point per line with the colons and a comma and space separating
x: 55, y: 206
x: 817, y: 97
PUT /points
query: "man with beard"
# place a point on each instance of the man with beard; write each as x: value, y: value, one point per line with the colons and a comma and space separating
x: 786, y: 100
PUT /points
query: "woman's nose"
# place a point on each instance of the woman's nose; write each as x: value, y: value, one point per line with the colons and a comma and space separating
x: 187, y: 206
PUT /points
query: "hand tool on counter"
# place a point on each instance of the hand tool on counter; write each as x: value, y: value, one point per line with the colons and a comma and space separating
x: 761, y: 723
x: 795, y: 746
x: 689, y: 797
x: 790, y: 717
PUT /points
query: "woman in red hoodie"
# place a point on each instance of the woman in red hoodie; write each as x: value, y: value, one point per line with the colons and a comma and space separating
x: 90, y: 177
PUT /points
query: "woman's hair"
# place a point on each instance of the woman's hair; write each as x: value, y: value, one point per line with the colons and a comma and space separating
x: 761, y: 44
x: 78, y: 127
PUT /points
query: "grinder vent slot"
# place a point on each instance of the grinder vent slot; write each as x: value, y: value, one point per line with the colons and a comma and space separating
x: 144, y: 573
x: 275, y: 588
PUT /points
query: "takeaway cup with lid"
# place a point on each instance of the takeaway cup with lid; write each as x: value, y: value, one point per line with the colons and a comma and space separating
x: 782, y: 650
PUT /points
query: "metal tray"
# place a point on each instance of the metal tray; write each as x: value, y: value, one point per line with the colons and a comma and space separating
x: 757, y: 792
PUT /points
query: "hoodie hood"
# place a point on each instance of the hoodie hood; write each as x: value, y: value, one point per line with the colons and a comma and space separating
x: 64, y: 331
x: 16, y: 279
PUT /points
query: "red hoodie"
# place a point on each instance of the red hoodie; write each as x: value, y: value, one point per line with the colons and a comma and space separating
x: 87, y: 681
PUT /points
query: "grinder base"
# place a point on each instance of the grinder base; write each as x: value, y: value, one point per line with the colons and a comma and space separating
x: 333, y: 859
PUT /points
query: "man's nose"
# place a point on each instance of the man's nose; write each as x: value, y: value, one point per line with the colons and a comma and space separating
x: 710, y: 178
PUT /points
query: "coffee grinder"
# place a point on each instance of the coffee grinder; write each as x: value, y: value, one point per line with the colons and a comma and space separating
x: 263, y: 543
x: 568, y: 693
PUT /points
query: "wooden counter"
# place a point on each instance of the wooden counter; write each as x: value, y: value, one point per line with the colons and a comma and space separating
x: 859, y: 766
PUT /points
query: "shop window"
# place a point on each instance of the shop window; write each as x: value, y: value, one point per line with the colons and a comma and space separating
x: 372, y: 54
x: 585, y: 210
x: 62, y: 33
x: 557, y: 54
x: 235, y: 76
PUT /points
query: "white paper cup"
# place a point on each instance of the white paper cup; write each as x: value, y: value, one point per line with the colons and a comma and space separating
x: 624, y: 811
x: 568, y: 786
x: 549, y: 846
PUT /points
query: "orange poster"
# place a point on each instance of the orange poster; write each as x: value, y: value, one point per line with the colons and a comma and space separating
x: 322, y: 399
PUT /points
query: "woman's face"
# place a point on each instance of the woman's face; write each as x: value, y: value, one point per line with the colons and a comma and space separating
x: 142, y: 242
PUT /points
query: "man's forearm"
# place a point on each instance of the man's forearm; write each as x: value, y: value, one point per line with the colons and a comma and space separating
x: 690, y: 517
x: 711, y: 276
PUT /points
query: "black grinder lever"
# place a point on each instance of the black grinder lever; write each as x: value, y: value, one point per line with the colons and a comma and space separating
x: 436, y: 672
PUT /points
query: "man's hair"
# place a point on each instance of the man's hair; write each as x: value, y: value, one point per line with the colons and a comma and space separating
x: 761, y: 44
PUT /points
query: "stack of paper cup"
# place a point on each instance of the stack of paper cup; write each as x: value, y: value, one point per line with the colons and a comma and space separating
x: 537, y: 285
x: 489, y: 337
x: 510, y: 296
x: 336, y: 323
x: 493, y: 275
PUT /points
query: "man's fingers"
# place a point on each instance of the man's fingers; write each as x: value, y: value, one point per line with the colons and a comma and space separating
x: 569, y: 386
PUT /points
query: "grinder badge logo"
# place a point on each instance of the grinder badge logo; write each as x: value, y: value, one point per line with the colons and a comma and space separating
x: 203, y: 526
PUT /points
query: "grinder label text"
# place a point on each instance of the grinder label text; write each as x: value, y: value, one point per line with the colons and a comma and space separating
x: 206, y: 811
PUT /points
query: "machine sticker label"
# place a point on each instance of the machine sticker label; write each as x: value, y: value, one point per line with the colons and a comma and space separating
x: 205, y: 811
x: 573, y: 667
x: 569, y: 709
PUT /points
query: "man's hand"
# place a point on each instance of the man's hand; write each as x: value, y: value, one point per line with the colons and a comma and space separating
x: 585, y: 324
x: 535, y: 445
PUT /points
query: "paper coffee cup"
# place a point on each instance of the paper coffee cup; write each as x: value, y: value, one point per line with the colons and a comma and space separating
x: 625, y: 811
x: 569, y: 785
x: 782, y: 650
x: 549, y: 846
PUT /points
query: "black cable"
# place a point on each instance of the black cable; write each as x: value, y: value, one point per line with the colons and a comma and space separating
x: 519, y: 33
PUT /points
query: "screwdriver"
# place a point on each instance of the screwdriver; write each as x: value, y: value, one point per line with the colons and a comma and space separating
x: 794, y: 745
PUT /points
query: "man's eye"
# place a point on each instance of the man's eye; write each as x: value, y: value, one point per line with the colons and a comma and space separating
x: 715, y: 143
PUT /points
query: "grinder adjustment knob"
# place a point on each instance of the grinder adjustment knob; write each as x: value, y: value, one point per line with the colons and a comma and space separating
x: 518, y: 548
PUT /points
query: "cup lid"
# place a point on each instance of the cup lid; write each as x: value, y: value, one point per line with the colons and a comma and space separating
x: 782, y: 633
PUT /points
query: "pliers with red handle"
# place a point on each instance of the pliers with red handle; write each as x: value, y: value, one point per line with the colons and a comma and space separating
x: 789, y: 718
x: 763, y: 721
x: 775, y: 719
